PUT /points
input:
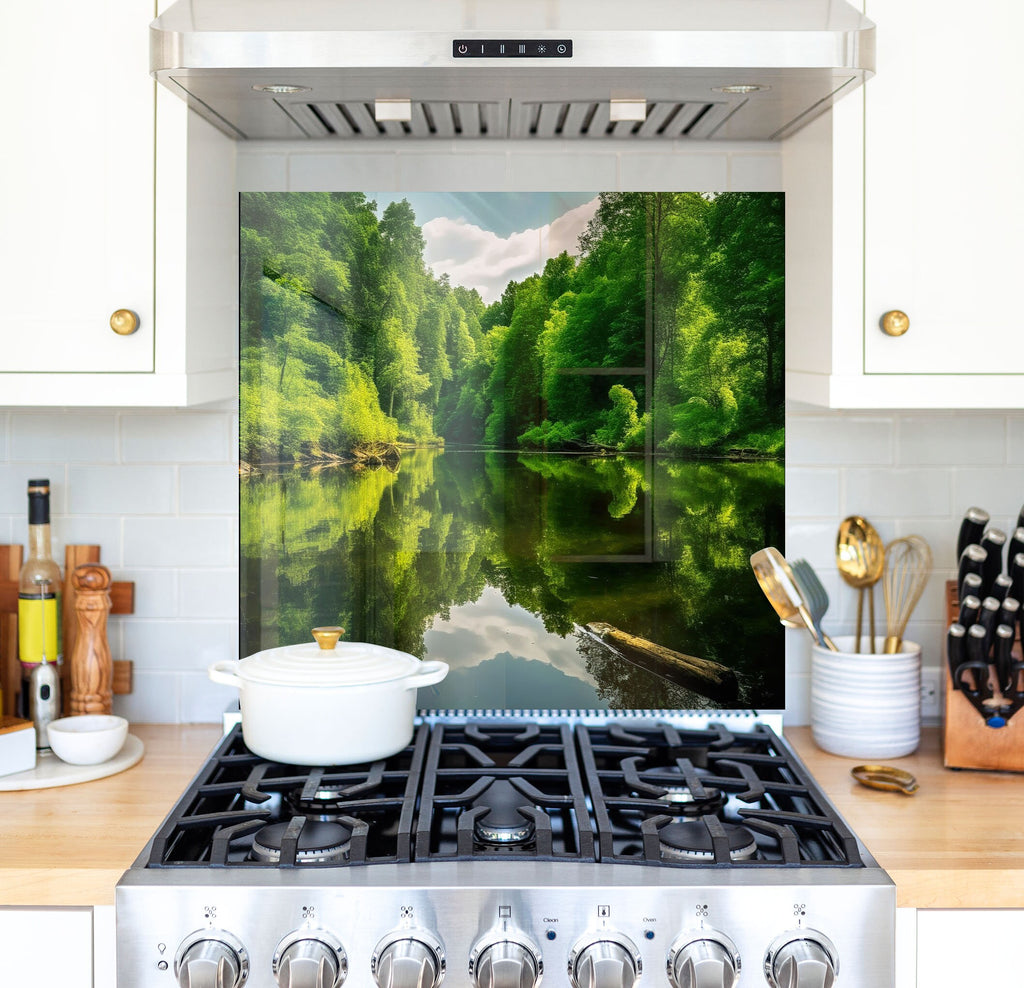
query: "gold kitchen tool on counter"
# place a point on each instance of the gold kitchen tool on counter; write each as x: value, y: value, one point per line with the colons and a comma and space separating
x: 908, y: 562
x: 885, y: 777
x: 860, y: 558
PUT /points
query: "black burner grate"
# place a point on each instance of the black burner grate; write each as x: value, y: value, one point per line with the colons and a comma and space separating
x: 630, y: 792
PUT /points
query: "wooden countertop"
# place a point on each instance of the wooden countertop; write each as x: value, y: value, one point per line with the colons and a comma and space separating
x: 69, y: 845
x: 958, y: 843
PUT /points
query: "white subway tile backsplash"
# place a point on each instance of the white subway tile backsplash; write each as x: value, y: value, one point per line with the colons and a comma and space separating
x: 14, y: 478
x: 178, y: 646
x: 180, y: 437
x: 209, y: 593
x: 74, y: 437
x: 211, y: 490
x: 843, y: 440
x: 87, y: 530
x: 813, y: 540
x: 155, y: 698
x: 667, y: 172
x: 812, y: 492
x: 978, y: 439
x: 897, y: 492
x: 156, y: 592
x: 121, y: 490
x: 203, y: 701
x: 999, y: 490
x: 179, y: 542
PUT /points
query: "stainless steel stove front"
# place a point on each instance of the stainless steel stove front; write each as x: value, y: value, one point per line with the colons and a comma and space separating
x: 496, y: 923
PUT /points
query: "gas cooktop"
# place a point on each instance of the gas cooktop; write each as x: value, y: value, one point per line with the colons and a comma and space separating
x: 492, y: 853
x: 645, y: 793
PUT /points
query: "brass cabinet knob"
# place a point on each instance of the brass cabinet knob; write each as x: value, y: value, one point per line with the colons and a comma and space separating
x: 895, y: 323
x: 124, y: 322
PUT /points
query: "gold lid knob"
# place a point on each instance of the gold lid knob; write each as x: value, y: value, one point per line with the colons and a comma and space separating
x: 328, y: 637
x: 895, y: 323
x: 124, y: 322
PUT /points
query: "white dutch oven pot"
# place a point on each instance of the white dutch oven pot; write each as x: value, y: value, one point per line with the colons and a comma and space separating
x: 326, y: 703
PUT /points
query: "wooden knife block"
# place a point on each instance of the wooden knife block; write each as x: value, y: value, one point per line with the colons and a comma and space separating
x: 967, y: 741
x: 122, y: 598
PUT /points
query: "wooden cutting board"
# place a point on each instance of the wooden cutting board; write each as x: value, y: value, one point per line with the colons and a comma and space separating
x: 50, y: 771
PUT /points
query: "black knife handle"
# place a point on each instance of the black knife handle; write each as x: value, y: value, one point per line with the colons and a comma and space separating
x: 988, y: 618
x: 972, y: 560
x: 1001, y: 587
x: 981, y: 690
x: 1016, y: 545
x: 993, y: 542
x: 977, y: 658
x: 1009, y: 612
x: 956, y: 650
x: 1003, y: 660
x: 1016, y: 574
x: 973, y: 524
x: 969, y: 607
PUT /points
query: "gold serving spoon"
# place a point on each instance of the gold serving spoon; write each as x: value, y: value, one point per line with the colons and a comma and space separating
x: 860, y: 558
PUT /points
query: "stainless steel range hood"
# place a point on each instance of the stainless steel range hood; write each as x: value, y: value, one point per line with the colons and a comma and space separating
x: 495, y: 69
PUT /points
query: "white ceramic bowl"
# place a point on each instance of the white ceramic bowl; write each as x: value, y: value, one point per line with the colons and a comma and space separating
x: 88, y: 739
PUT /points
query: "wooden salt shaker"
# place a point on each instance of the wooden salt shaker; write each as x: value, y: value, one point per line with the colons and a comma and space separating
x: 92, y: 670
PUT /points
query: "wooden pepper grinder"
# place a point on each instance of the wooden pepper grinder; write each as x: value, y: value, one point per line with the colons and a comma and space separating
x: 92, y: 670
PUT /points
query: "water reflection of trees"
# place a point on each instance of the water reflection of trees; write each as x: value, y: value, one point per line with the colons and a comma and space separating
x: 384, y: 554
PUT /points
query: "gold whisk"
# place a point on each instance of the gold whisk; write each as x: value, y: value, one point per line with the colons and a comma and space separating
x: 908, y: 562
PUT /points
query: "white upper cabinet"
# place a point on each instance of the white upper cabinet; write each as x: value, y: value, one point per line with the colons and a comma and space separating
x: 100, y: 214
x: 907, y: 198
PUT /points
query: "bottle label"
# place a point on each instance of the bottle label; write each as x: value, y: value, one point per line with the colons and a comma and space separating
x: 37, y: 629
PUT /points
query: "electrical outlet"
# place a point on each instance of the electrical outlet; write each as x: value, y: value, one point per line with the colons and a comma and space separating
x: 931, y: 689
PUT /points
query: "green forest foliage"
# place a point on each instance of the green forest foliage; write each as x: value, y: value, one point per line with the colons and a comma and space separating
x: 665, y: 334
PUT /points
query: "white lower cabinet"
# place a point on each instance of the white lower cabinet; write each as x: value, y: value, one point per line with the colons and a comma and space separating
x: 46, y: 947
x: 969, y: 947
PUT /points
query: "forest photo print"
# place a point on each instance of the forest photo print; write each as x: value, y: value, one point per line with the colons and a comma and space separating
x: 534, y: 435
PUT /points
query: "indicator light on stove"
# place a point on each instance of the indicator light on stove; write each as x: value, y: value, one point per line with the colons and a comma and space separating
x: 801, y: 959
x: 211, y: 959
x: 607, y: 960
x: 709, y: 960
x: 310, y: 959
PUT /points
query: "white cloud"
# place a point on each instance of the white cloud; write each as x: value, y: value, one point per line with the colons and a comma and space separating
x: 480, y: 259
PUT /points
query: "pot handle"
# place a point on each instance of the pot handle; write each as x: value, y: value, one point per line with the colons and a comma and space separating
x: 224, y: 672
x: 430, y: 673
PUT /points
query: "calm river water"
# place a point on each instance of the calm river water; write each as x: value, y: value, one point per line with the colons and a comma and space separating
x: 495, y: 562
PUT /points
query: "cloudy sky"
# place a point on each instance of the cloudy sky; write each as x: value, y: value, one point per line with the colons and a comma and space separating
x: 483, y: 240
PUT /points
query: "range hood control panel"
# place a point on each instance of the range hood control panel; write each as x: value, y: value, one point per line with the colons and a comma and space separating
x: 514, y: 48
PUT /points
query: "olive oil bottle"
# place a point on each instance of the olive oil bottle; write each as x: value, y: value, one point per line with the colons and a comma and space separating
x: 39, y: 592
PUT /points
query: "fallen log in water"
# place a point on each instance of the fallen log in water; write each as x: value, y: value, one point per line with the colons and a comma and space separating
x: 710, y: 679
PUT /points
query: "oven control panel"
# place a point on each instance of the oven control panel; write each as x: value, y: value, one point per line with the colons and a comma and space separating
x: 575, y: 935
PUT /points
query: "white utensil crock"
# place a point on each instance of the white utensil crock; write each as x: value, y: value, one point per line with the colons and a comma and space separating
x: 866, y: 705
x: 303, y: 705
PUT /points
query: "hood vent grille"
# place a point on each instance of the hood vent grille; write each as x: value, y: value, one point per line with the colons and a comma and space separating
x: 575, y: 119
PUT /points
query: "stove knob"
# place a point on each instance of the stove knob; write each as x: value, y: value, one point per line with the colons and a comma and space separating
x: 211, y: 959
x: 506, y: 964
x: 801, y: 959
x: 708, y: 961
x: 413, y: 959
x: 311, y: 959
x: 609, y: 962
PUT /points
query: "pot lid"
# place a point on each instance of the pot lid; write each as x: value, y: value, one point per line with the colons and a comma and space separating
x: 332, y: 664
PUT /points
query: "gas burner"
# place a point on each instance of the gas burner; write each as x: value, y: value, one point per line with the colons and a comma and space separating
x: 682, y: 802
x: 691, y: 841
x: 502, y: 824
x: 319, y: 843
